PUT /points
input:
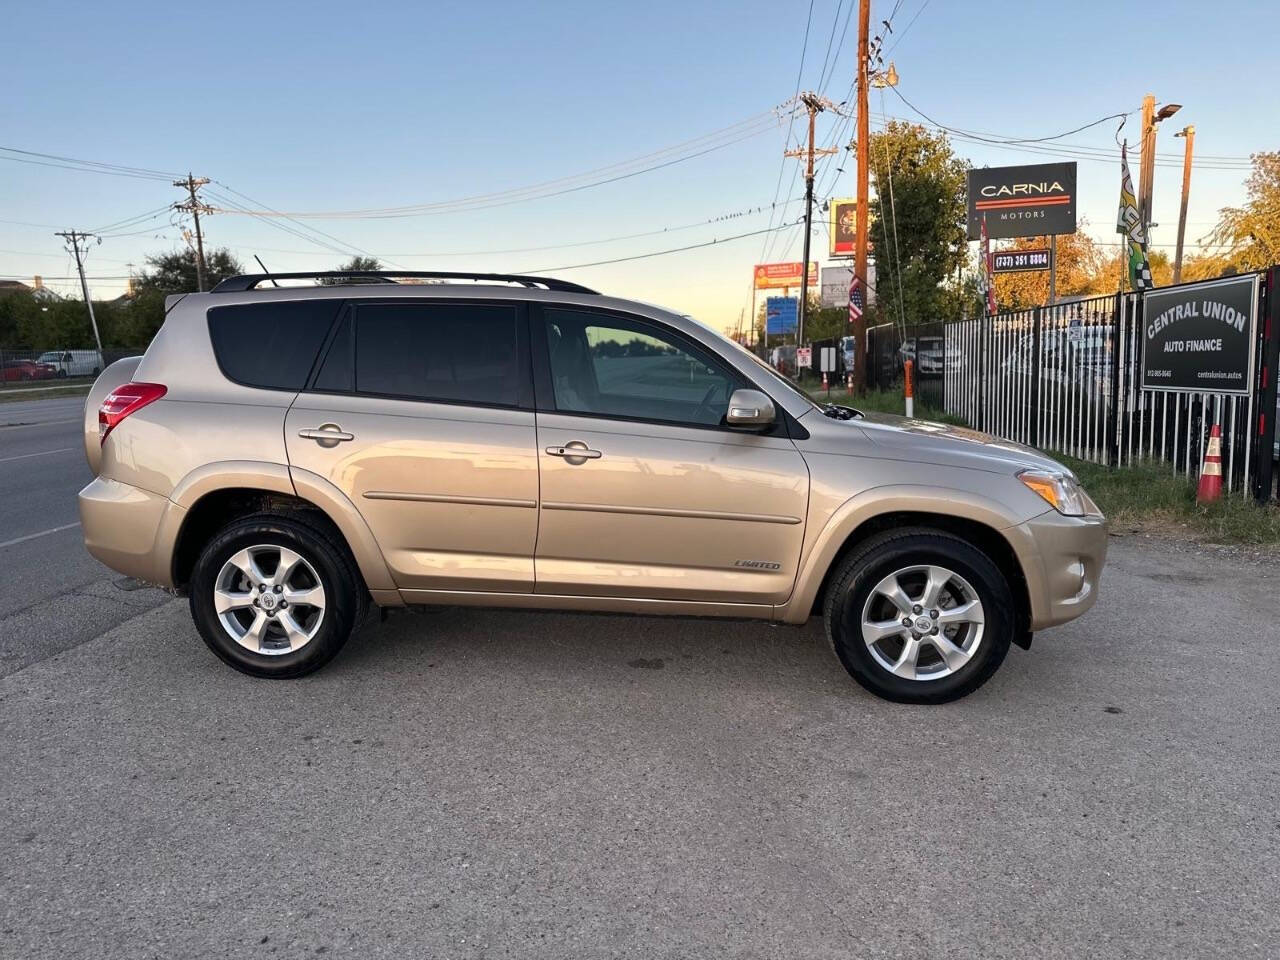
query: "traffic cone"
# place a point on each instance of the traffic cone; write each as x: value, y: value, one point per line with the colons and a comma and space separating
x: 1210, y: 486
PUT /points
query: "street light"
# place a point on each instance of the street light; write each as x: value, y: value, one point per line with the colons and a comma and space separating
x: 1167, y: 111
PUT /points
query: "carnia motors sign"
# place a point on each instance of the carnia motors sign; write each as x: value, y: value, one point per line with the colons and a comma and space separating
x: 1026, y: 201
x: 1200, y: 336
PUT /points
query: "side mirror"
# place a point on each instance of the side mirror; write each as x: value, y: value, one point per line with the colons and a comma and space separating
x: 750, y: 410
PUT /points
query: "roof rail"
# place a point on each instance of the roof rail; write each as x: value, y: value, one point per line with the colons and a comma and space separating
x: 249, y: 281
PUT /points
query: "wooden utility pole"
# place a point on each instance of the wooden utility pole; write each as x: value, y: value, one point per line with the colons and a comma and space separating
x: 75, y: 238
x: 815, y: 105
x: 194, y: 207
x: 1147, y: 166
x: 863, y: 156
x: 1189, y: 133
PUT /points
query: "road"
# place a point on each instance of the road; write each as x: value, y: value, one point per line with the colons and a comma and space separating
x: 53, y: 595
x: 471, y: 783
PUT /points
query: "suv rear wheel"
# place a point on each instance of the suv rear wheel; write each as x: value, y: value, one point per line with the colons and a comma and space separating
x: 919, y: 616
x: 274, y: 597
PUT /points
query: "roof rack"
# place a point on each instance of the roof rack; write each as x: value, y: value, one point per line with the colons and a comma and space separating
x: 250, y: 281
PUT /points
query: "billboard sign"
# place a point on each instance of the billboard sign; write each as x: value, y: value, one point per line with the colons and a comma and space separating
x: 773, y: 275
x: 781, y: 314
x: 1016, y: 261
x: 844, y: 228
x: 1027, y: 201
x: 1200, y: 336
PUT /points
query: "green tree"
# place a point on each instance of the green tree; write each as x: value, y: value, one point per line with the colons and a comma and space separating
x: 175, y: 272
x: 1251, y: 233
x: 355, y: 264
x: 918, y: 224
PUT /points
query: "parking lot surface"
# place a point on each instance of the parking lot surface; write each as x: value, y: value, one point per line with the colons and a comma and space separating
x: 471, y: 783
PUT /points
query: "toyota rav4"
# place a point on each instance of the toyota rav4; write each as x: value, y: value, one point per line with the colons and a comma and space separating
x: 286, y: 456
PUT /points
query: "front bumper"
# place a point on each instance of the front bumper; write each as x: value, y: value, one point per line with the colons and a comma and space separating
x: 1062, y: 564
x: 127, y: 529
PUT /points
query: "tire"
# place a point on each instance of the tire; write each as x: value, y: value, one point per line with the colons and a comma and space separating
x: 61, y: 374
x: 324, y: 563
x: 914, y: 558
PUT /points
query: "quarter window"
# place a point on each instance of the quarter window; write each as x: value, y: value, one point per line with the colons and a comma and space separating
x: 272, y: 344
x: 612, y: 367
x: 448, y: 352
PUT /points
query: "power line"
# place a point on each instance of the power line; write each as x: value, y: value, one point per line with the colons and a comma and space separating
x: 119, y: 168
x: 663, y: 253
x: 689, y: 150
x: 910, y: 24
x: 722, y: 218
x: 1003, y: 140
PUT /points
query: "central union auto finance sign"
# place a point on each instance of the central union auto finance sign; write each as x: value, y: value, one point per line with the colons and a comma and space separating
x: 1028, y: 201
x: 1200, y: 336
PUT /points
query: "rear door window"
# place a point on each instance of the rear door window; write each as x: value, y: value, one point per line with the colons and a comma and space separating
x: 272, y: 344
x: 443, y: 351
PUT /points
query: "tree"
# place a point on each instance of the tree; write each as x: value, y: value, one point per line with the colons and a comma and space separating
x: 175, y: 272
x: 1251, y: 233
x: 1079, y: 269
x: 355, y: 264
x: 918, y: 225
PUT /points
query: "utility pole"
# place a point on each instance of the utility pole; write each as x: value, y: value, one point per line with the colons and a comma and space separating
x: 1146, y: 177
x: 194, y: 207
x: 815, y: 105
x: 1189, y: 133
x: 75, y: 238
x: 863, y: 156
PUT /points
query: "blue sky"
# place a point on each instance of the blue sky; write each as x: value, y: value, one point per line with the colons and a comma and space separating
x: 321, y: 107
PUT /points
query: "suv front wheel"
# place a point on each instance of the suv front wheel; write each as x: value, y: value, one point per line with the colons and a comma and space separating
x: 274, y: 597
x: 919, y: 616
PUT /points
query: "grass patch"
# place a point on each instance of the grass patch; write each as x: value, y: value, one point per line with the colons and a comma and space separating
x: 1150, y: 497
x: 17, y: 396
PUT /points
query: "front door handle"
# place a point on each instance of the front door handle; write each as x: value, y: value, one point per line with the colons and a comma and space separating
x: 575, y: 452
x: 327, y: 434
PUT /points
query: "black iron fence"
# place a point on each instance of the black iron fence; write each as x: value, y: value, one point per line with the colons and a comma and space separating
x: 1067, y: 378
x: 889, y: 346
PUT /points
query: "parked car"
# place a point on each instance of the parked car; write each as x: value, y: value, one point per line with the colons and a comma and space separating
x: 285, y: 457
x: 26, y: 370
x: 928, y: 353
x: 784, y: 358
x: 74, y: 363
x: 848, y: 354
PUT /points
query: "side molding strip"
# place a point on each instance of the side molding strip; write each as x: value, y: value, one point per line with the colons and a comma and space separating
x: 670, y: 512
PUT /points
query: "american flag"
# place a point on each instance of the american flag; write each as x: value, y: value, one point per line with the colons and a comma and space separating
x: 856, y: 299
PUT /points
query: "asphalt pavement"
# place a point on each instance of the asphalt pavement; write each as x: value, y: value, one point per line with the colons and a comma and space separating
x: 471, y: 783
x: 53, y: 595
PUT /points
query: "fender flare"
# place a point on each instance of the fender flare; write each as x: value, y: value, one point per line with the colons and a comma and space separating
x: 821, y: 552
x: 292, y: 482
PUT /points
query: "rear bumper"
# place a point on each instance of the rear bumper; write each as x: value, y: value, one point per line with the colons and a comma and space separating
x: 125, y: 527
x: 1062, y: 561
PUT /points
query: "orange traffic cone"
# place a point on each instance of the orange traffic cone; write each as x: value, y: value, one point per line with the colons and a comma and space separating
x: 1210, y: 486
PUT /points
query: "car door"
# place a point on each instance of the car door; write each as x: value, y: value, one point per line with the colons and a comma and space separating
x: 421, y: 414
x: 645, y: 493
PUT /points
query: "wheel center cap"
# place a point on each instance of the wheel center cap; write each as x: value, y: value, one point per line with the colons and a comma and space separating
x: 268, y: 601
x: 924, y: 624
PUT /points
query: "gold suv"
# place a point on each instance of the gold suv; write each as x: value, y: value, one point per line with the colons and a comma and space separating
x: 286, y: 455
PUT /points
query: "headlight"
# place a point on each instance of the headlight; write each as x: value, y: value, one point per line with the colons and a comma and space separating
x: 1060, y: 491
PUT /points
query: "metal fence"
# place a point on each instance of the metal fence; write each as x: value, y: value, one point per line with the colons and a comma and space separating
x: 35, y: 368
x: 1067, y: 378
x: 890, y: 345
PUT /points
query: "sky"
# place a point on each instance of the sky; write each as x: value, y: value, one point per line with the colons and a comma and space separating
x: 319, y: 107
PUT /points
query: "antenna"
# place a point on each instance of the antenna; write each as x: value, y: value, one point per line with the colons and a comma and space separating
x: 265, y: 270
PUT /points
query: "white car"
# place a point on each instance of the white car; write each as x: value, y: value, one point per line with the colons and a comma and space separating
x: 74, y: 363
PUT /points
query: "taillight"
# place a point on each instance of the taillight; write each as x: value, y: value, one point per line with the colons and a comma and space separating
x: 123, y: 400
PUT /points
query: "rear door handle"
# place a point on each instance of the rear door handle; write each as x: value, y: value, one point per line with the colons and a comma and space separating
x: 327, y: 434
x: 575, y: 452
